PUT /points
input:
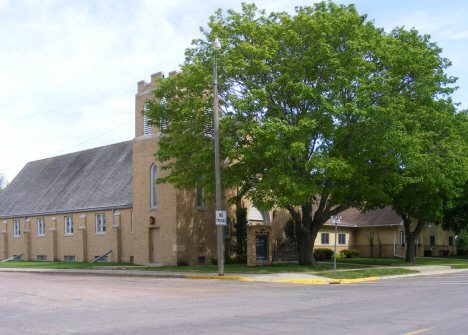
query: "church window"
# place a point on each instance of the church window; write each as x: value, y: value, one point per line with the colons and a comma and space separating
x: 200, y: 195
x: 154, y: 187
x: 40, y: 227
x: 68, y: 225
x: 100, y: 223
x: 16, y: 228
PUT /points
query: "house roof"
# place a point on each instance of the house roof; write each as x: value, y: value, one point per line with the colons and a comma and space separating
x: 85, y: 180
x: 380, y: 217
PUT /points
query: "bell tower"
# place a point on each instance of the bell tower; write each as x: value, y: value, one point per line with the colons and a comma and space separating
x: 154, y: 206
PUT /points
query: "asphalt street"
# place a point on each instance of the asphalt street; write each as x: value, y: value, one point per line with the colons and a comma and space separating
x: 67, y: 304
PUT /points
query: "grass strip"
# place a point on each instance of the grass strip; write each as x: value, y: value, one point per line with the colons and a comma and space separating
x: 366, y: 273
x: 460, y: 266
x: 61, y: 265
x: 400, y: 261
x: 243, y: 268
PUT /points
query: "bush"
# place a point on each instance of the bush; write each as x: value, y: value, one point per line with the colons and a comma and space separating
x: 229, y: 260
x: 350, y: 253
x: 181, y: 262
x: 339, y: 256
x: 444, y: 253
x: 355, y: 253
x: 462, y: 252
x: 323, y: 254
x: 214, y: 260
x: 427, y: 253
x: 241, y: 259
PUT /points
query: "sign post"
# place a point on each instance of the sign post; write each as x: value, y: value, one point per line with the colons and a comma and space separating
x: 335, y: 219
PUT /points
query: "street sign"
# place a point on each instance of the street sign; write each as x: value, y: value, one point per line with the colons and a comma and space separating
x: 221, y: 218
x: 336, y: 218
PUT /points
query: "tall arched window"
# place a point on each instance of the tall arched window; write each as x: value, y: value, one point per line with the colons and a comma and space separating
x: 154, y: 186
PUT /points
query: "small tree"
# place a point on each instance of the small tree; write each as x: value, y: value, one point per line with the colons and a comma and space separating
x: 380, y: 242
x: 370, y: 238
x: 240, y: 225
x: 290, y: 231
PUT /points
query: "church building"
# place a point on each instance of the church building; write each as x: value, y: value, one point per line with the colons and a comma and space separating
x: 79, y: 206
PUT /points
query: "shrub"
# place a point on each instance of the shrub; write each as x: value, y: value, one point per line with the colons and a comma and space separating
x: 323, y: 254
x: 214, y: 260
x: 443, y: 253
x: 354, y: 253
x: 338, y: 256
x: 241, y: 259
x: 462, y: 252
x: 427, y: 253
x: 229, y: 260
x: 181, y: 262
x: 350, y: 253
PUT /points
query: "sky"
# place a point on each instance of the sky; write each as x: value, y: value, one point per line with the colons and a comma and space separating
x: 69, y: 69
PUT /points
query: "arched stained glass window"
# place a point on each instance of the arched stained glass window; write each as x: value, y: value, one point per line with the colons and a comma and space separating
x: 154, y: 186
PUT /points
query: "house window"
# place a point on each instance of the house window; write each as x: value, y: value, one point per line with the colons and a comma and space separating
x: 200, y: 195
x: 68, y: 225
x: 342, y: 239
x: 154, y: 187
x: 100, y: 223
x: 450, y: 241
x: 131, y: 224
x: 402, y: 238
x: 68, y: 258
x: 418, y: 241
x: 201, y: 260
x: 16, y: 228
x: 41, y: 258
x: 432, y: 239
x: 132, y: 259
x: 40, y: 227
x: 325, y: 238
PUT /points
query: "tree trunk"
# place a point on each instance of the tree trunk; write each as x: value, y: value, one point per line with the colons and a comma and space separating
x: 307, y: 238
x: 411, y: 237
x: 306, y: 247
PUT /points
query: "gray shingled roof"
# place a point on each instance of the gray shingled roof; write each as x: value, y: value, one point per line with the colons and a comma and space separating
x: 85, y: 180
x: 380, y: 217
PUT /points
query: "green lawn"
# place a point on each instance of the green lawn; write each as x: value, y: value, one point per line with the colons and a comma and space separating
x: 58, y: 265
x: 400, y: 261
x: 366, y: 273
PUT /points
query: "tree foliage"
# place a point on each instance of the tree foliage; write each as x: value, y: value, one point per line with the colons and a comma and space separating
x: 321, y: 111
x: 3, y: 182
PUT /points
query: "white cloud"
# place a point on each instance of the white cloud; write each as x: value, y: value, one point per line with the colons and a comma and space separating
x: 69, y: 68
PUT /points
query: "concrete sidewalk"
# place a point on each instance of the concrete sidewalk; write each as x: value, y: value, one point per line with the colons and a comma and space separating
x: 285, y: 277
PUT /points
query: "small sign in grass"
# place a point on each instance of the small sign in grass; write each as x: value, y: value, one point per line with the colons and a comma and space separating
x: 366, y: 273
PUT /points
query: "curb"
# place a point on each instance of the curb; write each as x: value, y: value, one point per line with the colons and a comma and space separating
x: 327, y: 281
x: 293, y: 281
x: 219, y: 277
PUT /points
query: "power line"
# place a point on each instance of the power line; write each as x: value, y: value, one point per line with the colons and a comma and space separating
x: 76, y: 145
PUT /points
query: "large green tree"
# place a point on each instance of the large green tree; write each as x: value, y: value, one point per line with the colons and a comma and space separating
x: 3, y: 182
x: 320, y: 110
